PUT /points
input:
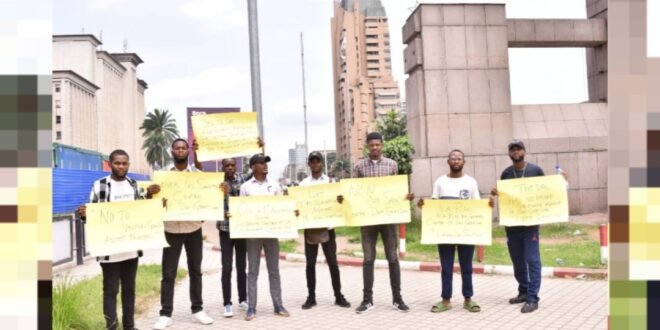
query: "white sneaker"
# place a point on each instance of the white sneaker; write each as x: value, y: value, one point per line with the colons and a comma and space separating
x: 162, y: 323
x: 202, y: 318
x: 228, y: 311
x: 243, y: 305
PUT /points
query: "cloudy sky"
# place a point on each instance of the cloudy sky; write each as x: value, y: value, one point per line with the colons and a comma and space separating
x: 196, y: 55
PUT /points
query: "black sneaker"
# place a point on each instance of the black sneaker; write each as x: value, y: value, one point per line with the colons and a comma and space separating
x: 341, y: 302
x: 400, y: 306
x: 309, y: 303
x: 529, y: 307
x: 364, y: 306
x: 521, y: 298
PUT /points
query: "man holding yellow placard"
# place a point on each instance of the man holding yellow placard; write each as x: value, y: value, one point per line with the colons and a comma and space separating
x: 121, y: 267
x: 455, y: 185
x: 323, y: 236
x: 259, y: 185
x: 181, y: 234
x: 523, y: 241
x: 375, y: 166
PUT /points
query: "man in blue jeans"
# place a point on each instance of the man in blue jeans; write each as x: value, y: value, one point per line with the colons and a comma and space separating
x: 455, y: 185
x: 523, y: 241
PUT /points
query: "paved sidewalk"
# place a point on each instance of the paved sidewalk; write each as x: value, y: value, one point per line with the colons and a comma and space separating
x: 565, y: 303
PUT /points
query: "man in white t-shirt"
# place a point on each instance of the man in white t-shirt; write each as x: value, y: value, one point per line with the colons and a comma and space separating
x: 118, y: 187
x: 455, y: 185
x: 323, y: 236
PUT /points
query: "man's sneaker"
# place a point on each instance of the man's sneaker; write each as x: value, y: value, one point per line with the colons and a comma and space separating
x: 309, y: 303
x: 229, y: 312
x: 281, y: 311
x: 202, y: 318
x: 250, y: 314
x: 400, y: 306
x: 529, y: 307
x: 162, y: 323
x: 243, y: 305
x: 521, y: 298
x: 364, y: 306
x: 341, y: 302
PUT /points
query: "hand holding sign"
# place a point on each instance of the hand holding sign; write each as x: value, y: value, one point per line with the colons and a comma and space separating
x: 226, y: 135
x: 533, y: 201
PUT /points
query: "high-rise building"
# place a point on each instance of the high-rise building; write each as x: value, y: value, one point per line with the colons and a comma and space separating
x: 98, y: 100
x: 362, y: 71
x: 298, y: 155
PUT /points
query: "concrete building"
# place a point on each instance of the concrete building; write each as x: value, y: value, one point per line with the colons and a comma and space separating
x: 298, y: 155
x: 458, y: 96
x: 362, y: 72
x: 98, y: 100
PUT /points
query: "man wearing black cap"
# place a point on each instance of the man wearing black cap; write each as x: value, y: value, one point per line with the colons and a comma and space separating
x: 323, y: 236
x: 259, y: 185
x: 523, y: 241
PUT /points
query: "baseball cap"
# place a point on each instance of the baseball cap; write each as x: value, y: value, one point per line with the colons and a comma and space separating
x: 259, y: 158
x: 516, y: 143
x: 315, y: 154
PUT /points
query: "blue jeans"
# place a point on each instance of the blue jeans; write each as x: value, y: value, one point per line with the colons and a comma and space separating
x: 524, y: 250
x: 465, y: 254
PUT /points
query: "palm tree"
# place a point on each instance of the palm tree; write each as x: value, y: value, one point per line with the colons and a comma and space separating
x: 159, y: 132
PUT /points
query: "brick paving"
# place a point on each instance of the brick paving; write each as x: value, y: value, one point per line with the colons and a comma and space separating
x: 565, y: 303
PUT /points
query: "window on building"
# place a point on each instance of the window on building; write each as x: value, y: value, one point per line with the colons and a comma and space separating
x: 57, y: 89
x: 58, y: 135
x: 58, y: 104
x: 58, y: 119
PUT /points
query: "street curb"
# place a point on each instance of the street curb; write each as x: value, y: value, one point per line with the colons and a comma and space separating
x: 557, y: 272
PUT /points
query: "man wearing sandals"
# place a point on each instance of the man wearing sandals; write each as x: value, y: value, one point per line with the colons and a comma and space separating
x: 455, y: 185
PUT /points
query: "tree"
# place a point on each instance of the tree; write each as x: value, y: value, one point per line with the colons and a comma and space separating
x: 392, y: 125
x: 341, y: 168
x: 159, y: 131
x: 393, y: 128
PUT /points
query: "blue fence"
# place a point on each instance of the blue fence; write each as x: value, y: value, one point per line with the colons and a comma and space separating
x: 71, y: 188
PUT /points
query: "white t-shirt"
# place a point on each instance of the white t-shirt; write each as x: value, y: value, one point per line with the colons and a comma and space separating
x: 309, y: 181
x: 464, y: 187
x: 121, y: 191
x: 254, y: 187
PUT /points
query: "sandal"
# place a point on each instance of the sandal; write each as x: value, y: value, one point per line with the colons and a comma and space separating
x: 440, y: 307
x: 472, y: 307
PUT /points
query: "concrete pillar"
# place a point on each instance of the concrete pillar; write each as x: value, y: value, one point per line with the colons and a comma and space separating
x: 597, y: 57
x: 458, y: 93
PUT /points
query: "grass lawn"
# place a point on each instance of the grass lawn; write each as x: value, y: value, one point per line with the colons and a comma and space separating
x: 562, y: 245
x: 80, y: 305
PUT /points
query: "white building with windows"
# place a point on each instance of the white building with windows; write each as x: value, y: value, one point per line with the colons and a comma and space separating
x: 98, y: 100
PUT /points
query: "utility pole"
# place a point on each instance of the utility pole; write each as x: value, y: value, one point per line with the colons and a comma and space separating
x: 302, y: 61
x: 255, y: 71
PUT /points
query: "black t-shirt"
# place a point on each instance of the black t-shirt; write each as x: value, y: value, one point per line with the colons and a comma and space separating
x: 529, y: 171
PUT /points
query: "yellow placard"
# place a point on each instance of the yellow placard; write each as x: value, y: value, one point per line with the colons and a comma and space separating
x: 376, y: 200
x: 318, y: 206
x: 226, y: 135
x: 263, y: 217
x: 533, y: 201
x: 191, y: 196
x: 125, y: 226
x: 457, y: 222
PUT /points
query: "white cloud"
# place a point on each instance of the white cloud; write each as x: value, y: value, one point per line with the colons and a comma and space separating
x: 216, y: 15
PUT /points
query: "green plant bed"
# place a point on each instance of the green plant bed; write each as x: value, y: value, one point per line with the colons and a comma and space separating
x: 80, y: 305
